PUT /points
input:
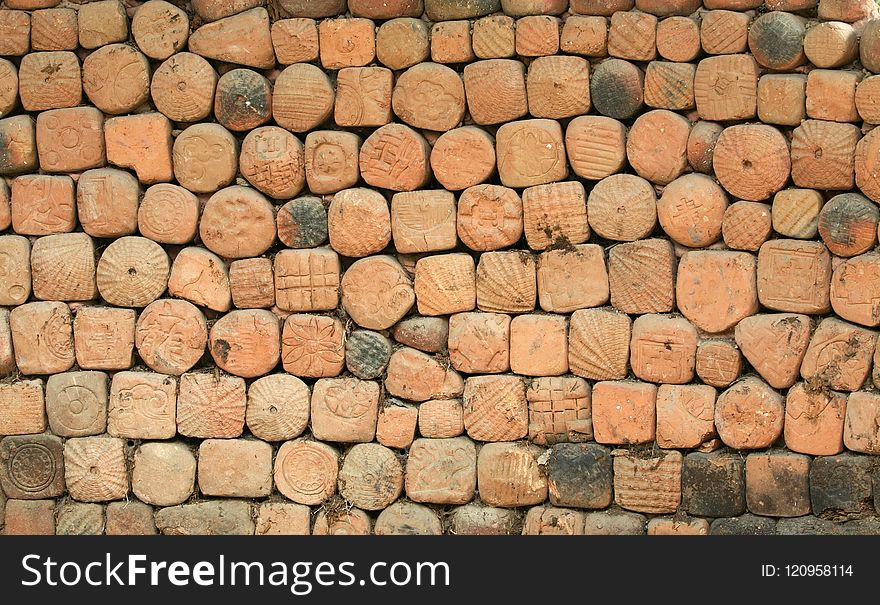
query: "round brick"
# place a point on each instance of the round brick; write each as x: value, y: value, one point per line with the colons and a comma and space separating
x: 303, y: 98
x: 402, y: 43
x: 396, y: 157
x: 205, y: 158
x: 854, y: 290
x: 657, y: 145
x: 359, y: 222
x: 616, y: 89
x: 701, y: 145
x: 306, y: 471
x: 163, y: 474
x: 691, y: 210
x: 160, y: 29
x: 869, y: 46
x: 377, y: 292
x: 867, y: 165
x: 272, y: 160
x: 243, y: 100
x: 848, y: 224
x: 867, y: 99
x: 302, y: 223
x: 237, y: 222
x: 171, y: 335
x: 168, y: 214
x: 558, y: 87
x: 132, y: 272
x: 183, y: 88
x: 278, y: 407
x: 371, y: 477
x: 246, y: 343
x: 746, y: 225
x: 622, y: 207
x: 749, y: 415
x: 116, y: 78
x: 463, y: 158
x: 776, y: 39
x: 831, y: 44
x: 367, y: 354
x: 678, y: 39
x: 345, y: 522
x: 752, y: 161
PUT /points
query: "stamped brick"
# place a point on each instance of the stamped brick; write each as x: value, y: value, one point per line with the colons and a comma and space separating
x: 210, y: 407
x: 371, y: 476
x: 777, y: 484
x: 237, y: 222
x: 685, y: 415
x: 725, y: 87
x: 359, y: 222
x: 183, y: 87
x: 776, y: 39
x: 130, y: 519
x: 142, y: 405
x: 429, y: 96
x: 403, y: 42
x: 396, y: 157
x: 774, y: 344
x: 295, y: 40
x: 367, y: 353
x: 463, y: 157
x: 746, y: 225
x: 865, y: 167
x: 8, y: 87
x: 76, y: 403
x: 243, y: 100
x: 95, y: 469
x: 7, y: 356
x: 814, y: 420
x: 363, y: 96
x: 640, y: 276
x: 848, y: 224
x: 752, y: 161
x: 215, y: 517
x: 445, y: 284
x: 489, y: 217
x: 861, y: 432
x: 102, y: 23
x: 580, y: 476
x: 396, y: 426
x: 678, y: 38
x: 509, y: 475
x: 307, y: 280
x: 598, y: 344
x: 76, y: 519
x: 205, y: 158
x: 692, y: 210
x: 822, y: 154
x: 211, y: 10
x: 495, y: 408
x: 348, y: 522
x: 70, y: 140
x: 624, y: 412
x: 839, y: 355
x: 423, y: 221
x: 104, y: 338
x: 749, y: 415
x: 50, y: 80
x: 16, y: 28
x: 302, y: 223
x: 235, y: 468
x: 441, y: 471
x: 441, y: 418
x: 494, y: 37
x: 479, y: 342
x: 312, y: 346
x: 278, y: 407
x: 496, y: 90
x: 559, y: 410
x: 42, y: 337
x: 116, y: 78
x: 676, y: 527
x: 650, y: 484
x: 866, y: 99
x: 376, y: 292
x: 794, y: 276
x: 345, y: 410
x: 32, y: 467
x: 63, y: 268
x: 331, y: 161
x: 558, y: 86
x: 249, y: 29
x: 160, y: 29
x: 163, y: 474
x: 531, y: 152
x: 246, y: 343
x: 252, y: 283
x: 347, y: 42
x: 16, y: 251
x: 663, y: 349
x: 408, y: 519
x: 19, y: 136
x: 537, y: 36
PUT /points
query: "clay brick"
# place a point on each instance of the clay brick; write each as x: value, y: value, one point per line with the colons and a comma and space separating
x: 640, y: 275
x: 713, y: 485
x: 160, y: 29
x: 101, y: 23
x: 30, y: 518
x: 344, y: 409
x: 633, y: 36
x: 408, y: 519
x: 396, y: 157
x: 623, y: 207
x: 795, y: 213
x: 441, y: 471
x: 371, y: 476
x: 495, y: 408
x: 779, y: 5
x: 42, y: 337
x: 347, y: 42
x: 866, y: 99
x: 303, y: 98
x: 475, y: 519
x: 586, y: 36
x: 312, y: 346
x: 614, y: 522
x: 49, y: 80
x: 776, y: 39
x: 746, y: 225
x: 685, y: 415
x: 359, y: 222
x: 243, y: 100
x: 302, y: 223
x: 580, y: 476
x: 744, y: 525
x: 76, y: 519
x: 415, y: 376
x: 598, y: 346
x: 246, y: 343
x: 107, y: 202
x: 116, y: 78
x: 210, y: 407
x: 363, y: 97
x: 445, y: 284
x: 839, y: 355
x: 749, y: 415
x: 538, y: 345
x: 282, y: 519
x: 385, y: 9
x: 665, y: 8
x: 273, y: 161
x: 596, y: 146
x: 831, y: 44
x: 104, y: 338
x: 252, y: 283
x: 624, y: 412
x: 18, y: 136
x: 558, y: 87
x: 16, y: 28
x: 163, y: 474
x: 32, y: 467
x: 376, y: 292
x: 277, y: 407
x: 853, y: 290
x: 331, y: 162
x: 678, y: 527
x: 8, y: 87
x: 701, y: 145
x: 463, y: 158
x: 70, y: 140
x: 559, y: 410
x: 552, y: 521
x: 396, y: 426
x: 841, y: 10
x: 616, y: 89
x: 423, y: 221
x: 724, y: 32
x: 496, y: 91
x: 658, y: 159
x: 600, y: 7
x: 867, y: 179
x: 509, y: 475
x: 441, y: 418
x: 205, y: 158
x: 814, y: 420
x: 130, y: 519
x: 311, y: 8
x: 555, y: 215
x: 716, y: 289
x: 777, y: 484
x: 663, y: 349
x: 76, y: 403
x: 367, y: 354
x: 215, y: 517
x: 244, y: 38
x: 307, y: 280
x: 143, y: 405
x: 572, y: 279
x: 647, y: 485
x: 494, y: 37
x: 15, y: 251
x: 489, y: 217
x: 95, y: 469
x: 782, y: 99
x: 295, y: 40
x: 848, y: 224
x: 237, y: 222
x: 200, y: 277
x: 451, y: 42
x: 794, y: 276
x: 402, y: 43
x: 725, y: 87
x: 537, y: 36
x: 775, y: 344
x: 142, y: 143
x: 350, y: 522
x: 183, y: 87
x: 860, y: 432
x: 479, y: 342
x: 822, y: 154
x: 211, y: 10
x: 235, y: 468
x: 678, y: 38
x: 670, y: 85
x: 841, y: 485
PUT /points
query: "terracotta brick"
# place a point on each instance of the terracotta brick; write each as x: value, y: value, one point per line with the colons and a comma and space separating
x: 664, y: 8
x: 537, y: 36
x: 252, y: 283
x: 580, y: 475
x: 246, y: 343
x: 831, y: 95
x: 831, y: 44
x: 713, y: 485
x: 559, y: 410
x: 344, y: 409
x: 277, y: 407
x: 614, y: 522
x: 725, y: 87
x: 57, y: 129
x: 463, y: 158
x: 49, y: 80
x: 376, y: 292
x: 701, y: 145
x: 244, y: 38
x: 633, y: 36
x: 142, y: 143
x: 63, y: 267
x: 445, y: 284
x: 587, y: 36
x: 494, y: 37
x: 302, y: 223
x: 479, y: 342
x: 478, y: 520
x: 692, y: 209
x: 367, y: 353
x: 164, y: 474
x: 210, y: 407
x: 331, y: 161
x: 76, y: 403
x: 531, y: 152
x: 866, y: 99
x: 777, y: 484
x: 572, y: 279
x: 170, y: 336
x: 794, y: 276
x: 776, y: 39
x: 42, y: 337
x: 396, y: 157
x: 782, y: 99
x: 396, y: 426
x: 200, y: 277
x: 371, y: 476
x: 295, y: 40
x: 402, y: 43
x: 840, y: 10
x: 183, y: 87
x: 116, y: 78
x: 347, y: 42
x: 839, y: 355
x: 685, y: 415
x: 32, y: 467
x: 774, y: 344
x: 451, y: 42
x: 237, y: 222
x: 160, y: 29
x: 283, y: 519
x: 350, y: 522
x: 814, y: 420
x: 596, y: 146
x: 663, y: 349
x: 7, y: 356
x: 441, y: 471
x: 853, y: 290
x: 30, y: 518
x: 441, y: 418
x: 552, y: 521
x: 678, y: 38
x: 795, y: 213
x: 16, y: 28
x: 649, y: 484
x: 363, y: 96
x: 312, y: 346
x: 495, y: 408
x: 8, y: 87
x: 205, y: 158
x: 509, y: 475
x: 211, y: 10
x: 749, y: 415
x: 408, y: 519
x: 624, y: 412
x: 130, y: 519
x: 866, y: 177
x: 16, y: 265
x: 359, y: 222
x: 143, y: 405
x: 95, y: 469
x: 307, y: 280
x: 822, y: 154
x: 724, y: 32
x: 558, y: 87
x: 101, y: 23
x: 383, y: 9
x: 658, y: 159
x: 716, y: 289
x: 674, y: 527
x: 235, y: 468
x: 496, y: 91
x: 848, y: 224
x: 746, y: 225
x: 622, y: 207
x: 243, y: 100
x: 311, y: 8
x: 107, y: 202
x: 19, y: 137
x: 640, y: 275
x: 669, y: 85
x: 415, y: 376
x: 489, y: 217
x: 217, y: 517
x: 860, y: 428
x: 598, y: 346
x: 538, y: 345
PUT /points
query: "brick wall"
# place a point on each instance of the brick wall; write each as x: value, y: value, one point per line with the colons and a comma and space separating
x: 461, y: 266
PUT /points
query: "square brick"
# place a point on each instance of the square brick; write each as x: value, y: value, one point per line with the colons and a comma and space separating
x: 363, y: 96
x: 685, y: 415
x: 347, y: 42
x: 441, y: 418
x: 130, y: 519
x: 552, y: 521
x: 76, y: 403
x: 496, y: 91
x: 715, y: 289
x: 624, y: 412
x: 509, y: 475
x: 794, y: 276
x: 537, y: 36
x: 22, y: 409
x: 295, y: 40
x: 396, y: 426
x: 30, y: 517
x: 71, y: 140
x: 50, y: 80
x: 678, y: 527
x: 532, y: 153
x: 495, y: 408
x: 102, y: 23
x: 445, y: 284
x: 164, y: 473
x: 724, y: 32
x: 814, y: 420
x: 572, y: 279
x: 252, y: 283
x: 18, y: 134
x: 670, y: 85
x: 713, y: 485
x: 539, y: 345
x: 782, y: 99
x: 331, y: 160
x: 841, y: 485
x: 95, y: 469
x: 107, y: 202
x: 307, y: 280
x: 32, y: 467
x: 441, y: 471
x: 42, y: 337
x: 201, y: 277
x: 237, y: 468
x: 451, y: 42
x: 777, y: 484
x: 559, y: 410
x: 580, y: 475
x: 795, y: 212
x: 143, y: 405
x: 416, y: 376
x: 143, y: 143
x: 862, y: 426
x: 312, y: 346
x: 823, y: 154
x: 558, y: 87
x: 104, y: 338
x: 839, y: 355
x: 283, y: 519
x: 479, y: 343
x: 719, y: 362
x: 633, y: 36
x: 641, y: 276
x: 15, y: 33
x: 345, y: 410
x: 663, y: 349
x: 587, y: 36
x: 54, y: 29
x: 506, y: 282
x: 598, y: 344
x: 63, y: 267
x: 423, y: 221
x: 43, y: 205
x: 211, y: 407
x: 15, y: 252
x: 831, y: 95
x: 614, y: 522
x: 647, y: 485
x: 726, y: 87
x: 494, y: 37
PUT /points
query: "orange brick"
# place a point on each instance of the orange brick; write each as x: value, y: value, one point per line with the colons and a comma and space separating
x: 371, y: 476
x: 839, y: 355
x: 246, y: 343
x: 572, y: 279
x: 719, y: 362
x: 559, y: 410
x: 814, y: 421
x: 183, y: 87
x: 678, y: 38
x: 749, y: 415
x: 103, y: 22
x: 441, y: 418
x: 345, y: 409
x: 142, y: 143
x: 442, y: 471
x: 538, y: 345
x: 777, y: 484
x: 396, y: 426
x: 658, y: 159
x: 295, y: 40
x: 624, y: 412
x: 489, y: 217
x: 363, y: 96
x: 396, y: 157
x: 822, y: 154
x: 537, y: 36
x: 16, y: 28
x: 451, y: 42
x: 633, y: 36
x: 746, y: 225
x: 277, y: 407
x: 142, y: 405
x: 495, y: 408
x: 496, y: 91
x: 200, y: 277
x: 685, y: 415
x: 794, y: 276
x: 42, y: 205
x: 50, y: 80
x: 210, y: 406
x: 663, y: 349
x: 782, y: 99
x: 116, y: 78
x: 598, y: 344
x: 716, y: 289
x: 509, y: 475
x: 312, y: 346
x: 347, y: 42
x: 692, y: 209
x: 104, y: 338
x: 23, y: 408
x: 587, y: 36
x: 596, y: 146
x: 402, y: 43
x: 647, y: 484
x: 530, y: 153
x: 376, y: 292
x: 42, y: 337
x: 56, y: 128
x: 170, y: 336
x: 640, y: 275
x: 494, y: 37
x: 244, y: 38
x: 19, y: 136
x: 160, y: 29
x: 107, y: 202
